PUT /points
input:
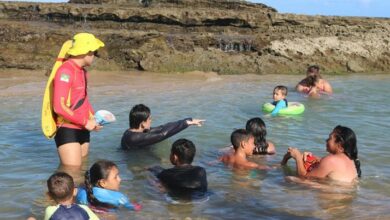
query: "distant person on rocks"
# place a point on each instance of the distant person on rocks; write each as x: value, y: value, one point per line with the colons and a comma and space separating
x: 322, y: 86
x: 141, y: 134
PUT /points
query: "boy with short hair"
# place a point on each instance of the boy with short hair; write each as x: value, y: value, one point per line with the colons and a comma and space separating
x: 61, y: 190
x: 183, y: 178
x: 243, y: 144
x: 141, y: 134
x: 280, y: 101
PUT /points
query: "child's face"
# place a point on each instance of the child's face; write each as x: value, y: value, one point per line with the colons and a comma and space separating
x: 278, y: 95
x: 249, y: 146
x: 113, y: 180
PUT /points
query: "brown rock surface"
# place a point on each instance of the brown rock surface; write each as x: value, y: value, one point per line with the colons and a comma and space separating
x: 229, y: 37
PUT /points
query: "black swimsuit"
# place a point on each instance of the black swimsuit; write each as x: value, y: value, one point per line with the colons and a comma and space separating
x: 132, y: 139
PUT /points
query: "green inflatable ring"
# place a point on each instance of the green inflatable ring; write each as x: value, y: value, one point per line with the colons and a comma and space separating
x: 294, y: 108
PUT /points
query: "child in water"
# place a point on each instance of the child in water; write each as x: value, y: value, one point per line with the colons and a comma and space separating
x: 280, y: 101
x: 256, y: 127
x: 313, y: 88
x: 184, y: 178
x: 101, y: 190
x: 62, y: 190
x: 243, y: 144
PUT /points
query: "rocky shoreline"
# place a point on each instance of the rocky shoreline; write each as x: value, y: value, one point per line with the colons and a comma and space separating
x: 226, y: 37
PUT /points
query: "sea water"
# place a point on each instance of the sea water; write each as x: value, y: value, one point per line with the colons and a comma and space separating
x: 360, y: 102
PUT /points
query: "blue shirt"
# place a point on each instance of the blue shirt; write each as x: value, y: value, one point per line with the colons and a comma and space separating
x: 279, y: 105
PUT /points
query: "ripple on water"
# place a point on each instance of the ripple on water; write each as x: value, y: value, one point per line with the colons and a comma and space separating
x: 226, y: 102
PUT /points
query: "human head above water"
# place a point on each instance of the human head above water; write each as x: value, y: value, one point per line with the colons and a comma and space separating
x: 280, y: 92
x: 99, y: 172
x: 138, y: 114
x: 240, y: 137
x: 182, y: 152
x: 84, y: 43
x: 60, y: 186
x: 256, y: 127
x: 102, y: 174
x: 313, y: 70
x: 347, y: 139
x: 311, y: 80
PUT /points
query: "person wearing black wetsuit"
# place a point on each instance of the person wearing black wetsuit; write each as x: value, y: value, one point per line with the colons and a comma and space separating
x: 183, y: 178
x: 140, y: 134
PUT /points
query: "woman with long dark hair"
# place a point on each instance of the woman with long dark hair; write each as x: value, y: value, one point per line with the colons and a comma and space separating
x: 341, y: 164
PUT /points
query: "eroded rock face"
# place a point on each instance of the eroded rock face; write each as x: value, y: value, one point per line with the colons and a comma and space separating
x: 184, y: 35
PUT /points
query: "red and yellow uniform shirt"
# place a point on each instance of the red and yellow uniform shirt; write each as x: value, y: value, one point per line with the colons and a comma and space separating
x: 69, y: 88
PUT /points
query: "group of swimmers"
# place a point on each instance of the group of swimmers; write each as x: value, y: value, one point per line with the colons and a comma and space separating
x: 102, y: 181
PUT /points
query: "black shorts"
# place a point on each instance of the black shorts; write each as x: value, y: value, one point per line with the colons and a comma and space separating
x: 71, y: 135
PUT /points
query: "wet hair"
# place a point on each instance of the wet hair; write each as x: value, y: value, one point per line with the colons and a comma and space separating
x: 184, y: 150
x: 256, y: 127
x: 310, y: 80
x: 138, y: 114
x: 238, y: 136
x: 313, y: 69
x: 283, y: 89
x: 347, y: 138
x: 60, y: 186
x: 99, y: 170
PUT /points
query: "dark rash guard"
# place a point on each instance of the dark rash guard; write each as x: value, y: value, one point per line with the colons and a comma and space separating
x: 132, y: 139
x: 184, y: 179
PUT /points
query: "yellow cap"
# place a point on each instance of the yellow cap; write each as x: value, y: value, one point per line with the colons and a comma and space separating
x: 84, y: 43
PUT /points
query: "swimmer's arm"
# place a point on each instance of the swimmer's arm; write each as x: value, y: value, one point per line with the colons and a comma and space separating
x: 285, y: 159
x: 49, y: 211
x: 300, y: 88
x: 281, y: 104
x: 298, y: 156
x: 323, y: 169
x: 271, y: 148
x: 328, y: 88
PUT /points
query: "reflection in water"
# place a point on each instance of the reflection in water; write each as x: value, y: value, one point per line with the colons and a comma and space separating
x: 28, y: 159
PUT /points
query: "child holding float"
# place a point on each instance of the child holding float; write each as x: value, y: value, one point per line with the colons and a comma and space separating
x: 101, y: 191
x: 280, y: 106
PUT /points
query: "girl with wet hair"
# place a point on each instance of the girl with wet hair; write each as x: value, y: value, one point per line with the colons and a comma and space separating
x: 101, y: 191
x: 341, y: 164
x: 256, y: 127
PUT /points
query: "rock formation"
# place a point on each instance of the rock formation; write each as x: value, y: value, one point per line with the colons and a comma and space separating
x: 228, y: 37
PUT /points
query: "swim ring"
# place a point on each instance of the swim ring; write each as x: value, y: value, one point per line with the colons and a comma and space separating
x: 294, y: 108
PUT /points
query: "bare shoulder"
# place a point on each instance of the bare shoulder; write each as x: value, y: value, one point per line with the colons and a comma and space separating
x: 271, y: 148
x: 227, y: 158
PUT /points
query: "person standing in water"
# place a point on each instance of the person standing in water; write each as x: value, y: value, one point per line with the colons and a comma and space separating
x: 70, y: 101
x: 322, y: 85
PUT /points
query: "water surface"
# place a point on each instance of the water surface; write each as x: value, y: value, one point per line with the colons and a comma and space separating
x: 226, y: 102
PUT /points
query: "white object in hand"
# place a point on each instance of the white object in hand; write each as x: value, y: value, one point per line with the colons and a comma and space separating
x: 104, y: 117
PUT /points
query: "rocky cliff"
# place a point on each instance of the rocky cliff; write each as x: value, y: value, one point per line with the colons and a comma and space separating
x: 228, y: 37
